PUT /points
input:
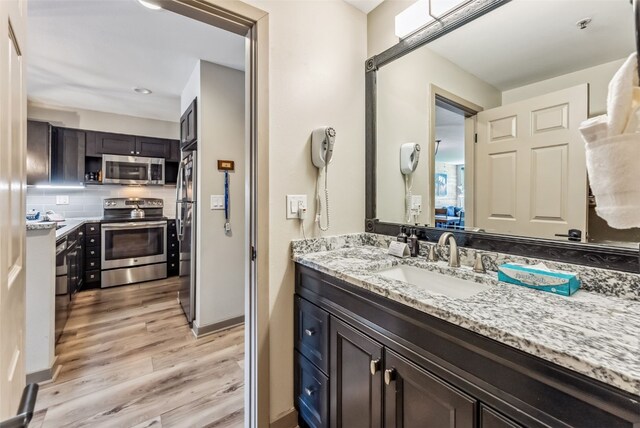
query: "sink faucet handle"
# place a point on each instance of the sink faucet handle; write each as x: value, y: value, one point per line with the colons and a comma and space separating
x: 478, y: 266
x: 432, y: 255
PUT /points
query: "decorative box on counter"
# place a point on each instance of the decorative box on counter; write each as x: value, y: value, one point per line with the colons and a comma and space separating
x: 539, y: 277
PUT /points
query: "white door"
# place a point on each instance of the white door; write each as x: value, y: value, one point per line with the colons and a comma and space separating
x: 12, y: 204
x: 531, y: 177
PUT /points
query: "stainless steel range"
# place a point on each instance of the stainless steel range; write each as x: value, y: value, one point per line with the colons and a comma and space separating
x: 134, y: 237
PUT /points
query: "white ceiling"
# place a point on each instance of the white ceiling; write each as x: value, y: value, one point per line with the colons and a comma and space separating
x: 364, y: 5
x: 526, y: 41
x: 90, y: 54
x: 450, y: 130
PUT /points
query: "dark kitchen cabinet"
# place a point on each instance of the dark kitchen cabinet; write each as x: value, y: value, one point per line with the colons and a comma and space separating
x: 114, y: 144
x: 92, y: 255
x: 189, y: 125
x: 414, y: 398
x: 356, y: 378
x: 153, y: 147
x: 38, y: 152
x: 174, y: 151
x: 394, y: 366
x: 68, y: 156
x: 173, y: 248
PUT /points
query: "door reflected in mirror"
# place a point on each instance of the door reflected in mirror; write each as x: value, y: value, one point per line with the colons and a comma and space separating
x: 495, y: 107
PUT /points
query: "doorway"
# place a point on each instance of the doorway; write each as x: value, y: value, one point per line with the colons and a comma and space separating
x: 244, y: 23
x: 453, y: 133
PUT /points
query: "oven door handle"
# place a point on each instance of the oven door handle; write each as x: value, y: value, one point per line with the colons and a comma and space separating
x: 133, y: 225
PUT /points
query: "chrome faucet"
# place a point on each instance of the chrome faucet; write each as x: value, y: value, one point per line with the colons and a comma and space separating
x: 448, y: 238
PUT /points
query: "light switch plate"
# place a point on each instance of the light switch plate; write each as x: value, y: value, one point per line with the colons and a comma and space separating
x: 62, y: 199
x: 217, y: 202
x: 293, y: 202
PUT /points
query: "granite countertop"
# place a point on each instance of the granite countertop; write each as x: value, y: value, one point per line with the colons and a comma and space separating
x: 68, y: 225
x: 590, y: 333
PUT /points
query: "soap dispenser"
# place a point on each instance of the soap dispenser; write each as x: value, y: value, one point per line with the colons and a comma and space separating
x: 402, y: 237
x: 414, y: 246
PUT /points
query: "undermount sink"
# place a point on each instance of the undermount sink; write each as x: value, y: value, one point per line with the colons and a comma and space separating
x: 434, y: 282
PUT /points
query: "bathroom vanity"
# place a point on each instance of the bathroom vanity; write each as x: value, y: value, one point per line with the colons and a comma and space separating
x: 375, y: 351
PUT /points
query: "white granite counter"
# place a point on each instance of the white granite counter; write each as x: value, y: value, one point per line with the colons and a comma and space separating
x: 590, y: 333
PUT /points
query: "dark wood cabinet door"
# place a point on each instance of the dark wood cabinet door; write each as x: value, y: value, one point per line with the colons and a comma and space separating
x: 153, y: 147
x: 414, y: 398
x: 67, y: 160
x: 38, y: 149
x: 189, y: 125
x: 356, y: 393
x: 115, y: 144
x: 489, y: 418
x: 175, y: 151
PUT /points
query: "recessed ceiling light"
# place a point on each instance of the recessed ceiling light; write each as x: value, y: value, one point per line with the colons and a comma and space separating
x: 149, y: 5
x: 144, y: 91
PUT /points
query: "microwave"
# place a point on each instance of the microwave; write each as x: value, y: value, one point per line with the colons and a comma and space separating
x: 132, y: 170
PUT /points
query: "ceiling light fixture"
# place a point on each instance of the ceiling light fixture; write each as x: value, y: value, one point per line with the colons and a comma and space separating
x: 143, y: 91
x: 149, y: 5
x: 423, y: 12
x: 583, y: 23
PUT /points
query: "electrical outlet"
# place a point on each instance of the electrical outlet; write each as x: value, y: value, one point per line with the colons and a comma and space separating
x: 62, y: 199
x: 293, y: 202
x: 416, y: 204
x: 217, y: 202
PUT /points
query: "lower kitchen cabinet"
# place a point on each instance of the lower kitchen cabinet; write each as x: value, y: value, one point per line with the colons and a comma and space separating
x: 393, y: 366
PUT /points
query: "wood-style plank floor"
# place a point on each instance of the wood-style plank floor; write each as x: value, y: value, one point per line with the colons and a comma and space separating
x: 127, y: 358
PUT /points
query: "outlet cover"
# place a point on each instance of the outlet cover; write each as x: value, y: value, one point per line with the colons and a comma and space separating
x: 293, y: 202
x: 62, y: 199
x: 217, y: 202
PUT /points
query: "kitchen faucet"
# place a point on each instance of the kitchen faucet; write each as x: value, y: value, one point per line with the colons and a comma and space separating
x: 448, y: 238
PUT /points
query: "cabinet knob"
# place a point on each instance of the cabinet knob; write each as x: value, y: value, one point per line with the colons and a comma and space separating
x: 309, y: 331
x: 374, y: 366
x: 309, y: 391
x: 389, y: 376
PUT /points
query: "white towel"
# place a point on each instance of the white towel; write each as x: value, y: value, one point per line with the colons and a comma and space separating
x: 620, y: 98
x: 613, y: 150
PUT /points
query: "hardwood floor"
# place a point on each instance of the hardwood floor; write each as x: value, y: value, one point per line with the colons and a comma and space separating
x: 128, y: 359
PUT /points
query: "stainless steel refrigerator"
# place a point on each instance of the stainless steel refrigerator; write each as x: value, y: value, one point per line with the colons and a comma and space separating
x: 186, y: 230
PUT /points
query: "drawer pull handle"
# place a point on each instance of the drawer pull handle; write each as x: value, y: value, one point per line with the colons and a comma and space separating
x: 309, y: 391
x: 389, y: 376
x: 309, y: 331
x: 374, y: 366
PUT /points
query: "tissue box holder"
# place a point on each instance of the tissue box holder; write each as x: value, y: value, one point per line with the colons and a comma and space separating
x: 552, y: 281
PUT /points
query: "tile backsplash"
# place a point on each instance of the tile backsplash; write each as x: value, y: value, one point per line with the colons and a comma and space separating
x: 87, y: 202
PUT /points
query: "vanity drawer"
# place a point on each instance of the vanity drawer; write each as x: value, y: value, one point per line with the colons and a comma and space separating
x: 312, y: 333
x: 311, y: 393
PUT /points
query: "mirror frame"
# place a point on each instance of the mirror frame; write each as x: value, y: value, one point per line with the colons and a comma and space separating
x: 594, y: 255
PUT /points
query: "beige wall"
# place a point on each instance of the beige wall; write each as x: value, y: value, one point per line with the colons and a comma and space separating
x: 316, y: 78
x: 220, y: 270
x: 403, y: 116
x: 100, y: 121
x: 597, y: 77
x: 381, y: 25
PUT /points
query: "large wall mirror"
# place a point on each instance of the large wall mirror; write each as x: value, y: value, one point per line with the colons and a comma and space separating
x: 473, y: 120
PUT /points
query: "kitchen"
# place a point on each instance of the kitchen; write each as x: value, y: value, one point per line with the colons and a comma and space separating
x: 117, y: 176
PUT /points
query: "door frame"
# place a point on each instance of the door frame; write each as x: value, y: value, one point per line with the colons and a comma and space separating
x: 470, y: 110
x: 253, y: 24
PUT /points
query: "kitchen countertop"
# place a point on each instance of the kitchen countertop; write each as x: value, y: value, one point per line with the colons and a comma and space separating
x: 69, y: 225
x: 590, y: 333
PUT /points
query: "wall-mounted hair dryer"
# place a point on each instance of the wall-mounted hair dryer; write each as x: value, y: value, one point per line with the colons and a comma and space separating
x: 409, y: 156
x: 322, y: 141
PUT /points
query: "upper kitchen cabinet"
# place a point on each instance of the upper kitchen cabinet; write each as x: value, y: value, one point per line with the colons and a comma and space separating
x: 189, y: 126
x: 38, y: 151
x: 113, y: 144
x: 153, y: 147
x: 68, y: 155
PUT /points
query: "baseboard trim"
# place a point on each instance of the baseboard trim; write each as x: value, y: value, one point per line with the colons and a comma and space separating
x: 45, y: 375
x: 287, y: 420
x: 204, y: 330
